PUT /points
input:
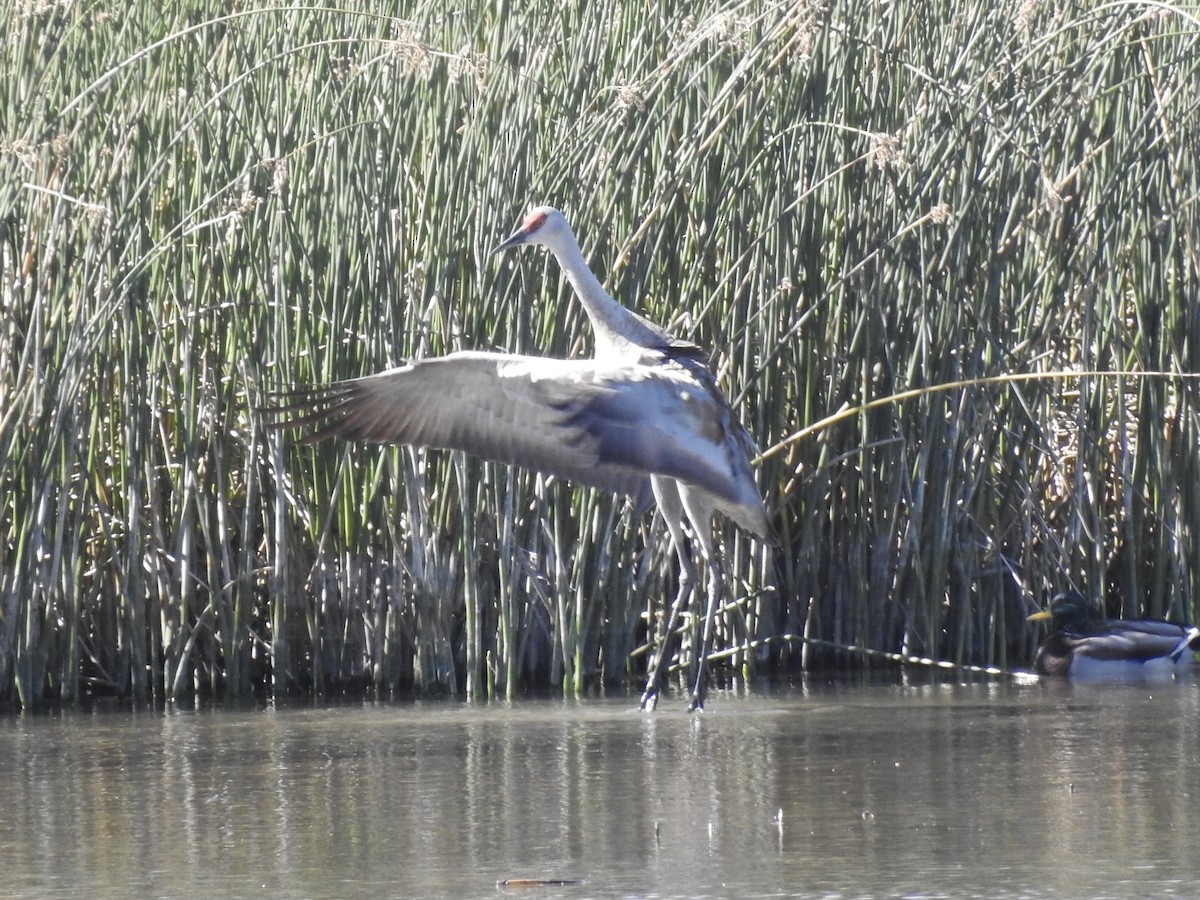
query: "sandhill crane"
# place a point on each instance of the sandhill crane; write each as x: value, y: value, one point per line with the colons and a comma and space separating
x: 646, y: 408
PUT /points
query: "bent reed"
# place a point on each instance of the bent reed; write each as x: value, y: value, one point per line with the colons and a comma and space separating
x: 854, y: 205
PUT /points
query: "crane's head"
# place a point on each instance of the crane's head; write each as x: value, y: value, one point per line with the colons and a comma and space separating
x: 543, y: 225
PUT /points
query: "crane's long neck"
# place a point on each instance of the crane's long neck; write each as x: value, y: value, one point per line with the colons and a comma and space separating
x: 619, y: 332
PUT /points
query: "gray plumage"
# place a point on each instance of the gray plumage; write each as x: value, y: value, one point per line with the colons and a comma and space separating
x: 644, y: 416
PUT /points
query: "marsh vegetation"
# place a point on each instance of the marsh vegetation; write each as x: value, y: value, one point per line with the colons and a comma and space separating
x: 968, y: 233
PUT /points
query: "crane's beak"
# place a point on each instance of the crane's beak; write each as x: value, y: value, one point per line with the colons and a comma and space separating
x: 519, y: 237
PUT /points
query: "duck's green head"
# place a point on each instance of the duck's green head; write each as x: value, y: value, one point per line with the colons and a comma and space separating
x: 1069, y: 612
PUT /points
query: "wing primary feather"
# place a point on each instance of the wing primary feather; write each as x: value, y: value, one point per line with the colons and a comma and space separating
x: 507, y: 409
x: 323, y: 409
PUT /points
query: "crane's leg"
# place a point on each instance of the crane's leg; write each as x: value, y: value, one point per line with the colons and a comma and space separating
x: 699, y: 513
x: 671, y: 507
x: 716, y: 592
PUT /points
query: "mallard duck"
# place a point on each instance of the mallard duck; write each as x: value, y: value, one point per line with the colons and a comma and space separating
x: 1085, y: 644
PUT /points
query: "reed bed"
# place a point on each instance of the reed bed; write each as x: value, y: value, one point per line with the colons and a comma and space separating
x: 986, y: 212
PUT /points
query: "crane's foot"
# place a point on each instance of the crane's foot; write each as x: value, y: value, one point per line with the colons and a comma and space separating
x: 650, y: 699
x: 650, y: 695
x: 696, y: 702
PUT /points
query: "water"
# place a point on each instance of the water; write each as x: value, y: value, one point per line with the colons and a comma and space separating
x: 909, y: 787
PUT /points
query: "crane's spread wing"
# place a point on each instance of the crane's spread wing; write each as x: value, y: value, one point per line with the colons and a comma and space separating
x: 666, y: 421
x: 607, y: 426
x: 486, y: 404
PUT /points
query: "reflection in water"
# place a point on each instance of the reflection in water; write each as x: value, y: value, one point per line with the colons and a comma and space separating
x: 918, y: 786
